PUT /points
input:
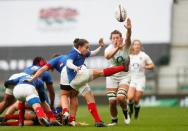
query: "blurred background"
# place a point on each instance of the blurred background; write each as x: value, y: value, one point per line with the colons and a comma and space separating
x: 30, y: 28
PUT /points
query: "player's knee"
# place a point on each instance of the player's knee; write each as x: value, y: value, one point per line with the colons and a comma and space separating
x: 121, y: 99
x: 73, y: 93
x: 122, y: 94
x: 137, y: 100
x: 130, y: 97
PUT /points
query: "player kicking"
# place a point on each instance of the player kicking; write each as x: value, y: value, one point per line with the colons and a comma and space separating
x: 58, y: 63
x: 139, y: 62
x: 75, y: 75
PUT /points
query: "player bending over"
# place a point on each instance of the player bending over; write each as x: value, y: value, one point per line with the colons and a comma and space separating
x: 30, y: 92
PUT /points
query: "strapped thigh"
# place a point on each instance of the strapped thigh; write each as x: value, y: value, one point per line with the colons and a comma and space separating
x: 111, y: 95
x: 122, y: 92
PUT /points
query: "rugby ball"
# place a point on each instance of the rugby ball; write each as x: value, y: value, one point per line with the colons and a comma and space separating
x: 120, y: 14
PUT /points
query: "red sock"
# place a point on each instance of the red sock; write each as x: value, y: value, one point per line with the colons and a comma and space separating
x: 21, y: 112
x: 113, y: 70
x: 12, y: 116
x: 65, y: 110
x: 13, y: 123
x: 40, y: 112
x: 72, y: 118
x: 51, y: 115
x: 93, y: 110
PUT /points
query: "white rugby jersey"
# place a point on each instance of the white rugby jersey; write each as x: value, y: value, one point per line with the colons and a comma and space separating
x: 120, y: 56
x: 137, y: 63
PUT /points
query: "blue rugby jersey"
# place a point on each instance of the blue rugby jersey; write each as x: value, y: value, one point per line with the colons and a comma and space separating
x: 46, y: 76
x: 57, y: 63
x: 78, y: 60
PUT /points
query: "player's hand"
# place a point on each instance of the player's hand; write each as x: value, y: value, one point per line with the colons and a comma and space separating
x: 77, y: 69
x: 127, y: 24
x: 101, y: 42
x: 121, y: 45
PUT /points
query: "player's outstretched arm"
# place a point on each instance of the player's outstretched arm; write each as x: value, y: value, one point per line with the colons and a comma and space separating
x: 96, y: 51
x: 72, y: 66
x: 128, y: 26
x: 39, y: 72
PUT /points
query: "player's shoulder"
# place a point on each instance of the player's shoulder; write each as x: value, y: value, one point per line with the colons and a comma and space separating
x: 31, y: 69
x: 55, y: 58
x: 142, y: 53
x: 144, y: 56
x: 73, y: 53
x: 62, y: 57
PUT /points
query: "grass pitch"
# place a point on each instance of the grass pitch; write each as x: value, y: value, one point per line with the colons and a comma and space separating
x: 151, y: 119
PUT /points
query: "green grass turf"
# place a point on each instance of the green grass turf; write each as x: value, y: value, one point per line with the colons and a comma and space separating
x: 151, y: 119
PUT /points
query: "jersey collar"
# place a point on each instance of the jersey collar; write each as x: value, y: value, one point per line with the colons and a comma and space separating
x: 77, y: 50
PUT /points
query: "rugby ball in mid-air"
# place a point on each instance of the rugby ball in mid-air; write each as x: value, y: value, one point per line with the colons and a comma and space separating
x: 121, y: 14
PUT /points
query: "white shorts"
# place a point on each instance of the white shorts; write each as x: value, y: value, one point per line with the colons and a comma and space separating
x: 84, y: 89
x: 25, y: 92
x: 64, y: 78
x: 81, y: 79
x: 115, y: 82
x: 138, y: 83
x: 9, y: 89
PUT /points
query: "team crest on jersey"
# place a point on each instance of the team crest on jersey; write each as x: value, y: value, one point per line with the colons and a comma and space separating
x: 120, y: 60
x: 135, y: 65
